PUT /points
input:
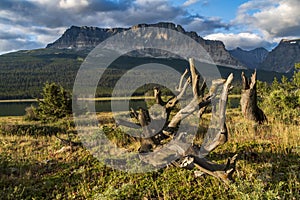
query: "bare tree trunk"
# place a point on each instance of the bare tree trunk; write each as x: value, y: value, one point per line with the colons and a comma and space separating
x: 248, y: 101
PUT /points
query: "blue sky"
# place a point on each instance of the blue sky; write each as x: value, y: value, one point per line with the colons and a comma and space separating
x: 248, y: 24
x: 225, y: 9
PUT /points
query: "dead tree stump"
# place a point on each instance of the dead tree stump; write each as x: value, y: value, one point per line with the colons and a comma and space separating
x: 248, y: 101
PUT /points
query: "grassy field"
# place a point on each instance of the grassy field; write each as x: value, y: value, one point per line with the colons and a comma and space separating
x: 35, y: 165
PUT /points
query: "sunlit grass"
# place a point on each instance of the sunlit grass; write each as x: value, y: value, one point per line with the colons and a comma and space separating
x: 36, y: 167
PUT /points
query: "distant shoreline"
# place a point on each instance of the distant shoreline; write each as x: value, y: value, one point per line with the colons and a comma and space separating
x: 98, y: 99
x: 17, y: 100
x: 88, y: 99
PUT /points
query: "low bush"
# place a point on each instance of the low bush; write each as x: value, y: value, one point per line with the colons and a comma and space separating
x: 281, y: 100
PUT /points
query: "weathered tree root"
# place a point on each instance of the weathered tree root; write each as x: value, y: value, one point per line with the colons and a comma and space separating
x: 194, y: 157
x: 221, y: 172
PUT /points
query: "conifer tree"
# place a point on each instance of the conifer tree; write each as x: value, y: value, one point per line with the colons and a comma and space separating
x: 56, y: 103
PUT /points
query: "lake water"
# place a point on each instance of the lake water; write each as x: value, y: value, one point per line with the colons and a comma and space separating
x: 18, y: 108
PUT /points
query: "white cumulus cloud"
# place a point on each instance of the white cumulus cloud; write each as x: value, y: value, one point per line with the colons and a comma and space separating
x: 274, y: 18
x: 246, y: 41
x: 190, y: 2
x: 73, y: 3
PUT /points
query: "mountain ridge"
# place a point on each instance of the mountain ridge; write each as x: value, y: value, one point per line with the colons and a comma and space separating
x: 283, y: 57
x: 89, y: 37
x: 252, y: 58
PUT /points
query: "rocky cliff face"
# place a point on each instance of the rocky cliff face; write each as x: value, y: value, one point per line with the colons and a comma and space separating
x: 89, y: 37
x: 251, y: 59
x: 83, y: 37
x: 283, y: 57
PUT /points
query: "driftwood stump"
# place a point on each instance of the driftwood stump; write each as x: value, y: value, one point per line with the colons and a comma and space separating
x: 168, y: 126
x: 248, y: 101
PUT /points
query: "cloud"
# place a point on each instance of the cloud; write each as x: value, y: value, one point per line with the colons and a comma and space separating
x: 274, y: 18
x: 190, y: 2
x: 57, y: 13
x: 17, y: 44
x: 246, y: 41
x: 73, y: 3
x: 19, y: 37
x: 42, y: 21
x: 64, y: 13
x: 203, y: 25
x: 144, y: 11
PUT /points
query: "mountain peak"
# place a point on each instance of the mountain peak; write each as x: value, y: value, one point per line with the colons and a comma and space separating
x: 89, y: 37
x: 252, y: 58
x: 83, y: 37
x: 77, y: 37
x: 283, y: 57
x: 288, y: 41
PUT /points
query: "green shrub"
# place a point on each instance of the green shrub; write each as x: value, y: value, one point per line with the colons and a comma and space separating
x: 56, y: 104
x: 281, y: 100
x: 31, y: 114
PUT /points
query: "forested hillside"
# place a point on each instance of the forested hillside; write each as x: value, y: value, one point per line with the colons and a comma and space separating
x: 23, y: 73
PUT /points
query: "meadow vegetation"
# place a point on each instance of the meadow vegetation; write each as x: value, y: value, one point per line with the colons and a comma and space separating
x: 35, y: 164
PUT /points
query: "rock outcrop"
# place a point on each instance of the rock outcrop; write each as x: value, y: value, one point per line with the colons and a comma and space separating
x: 83, y: 37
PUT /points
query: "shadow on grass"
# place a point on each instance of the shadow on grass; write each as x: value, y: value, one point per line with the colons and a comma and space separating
x: 277, y: 167
x: 49, y: 179
x: 31, y: 129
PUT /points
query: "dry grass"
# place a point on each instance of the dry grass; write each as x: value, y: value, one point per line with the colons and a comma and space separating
x: 32, y: 167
